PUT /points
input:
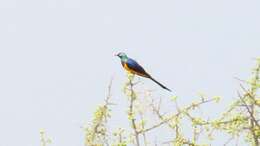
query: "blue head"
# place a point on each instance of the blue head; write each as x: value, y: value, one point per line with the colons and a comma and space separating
x: 122, y: 56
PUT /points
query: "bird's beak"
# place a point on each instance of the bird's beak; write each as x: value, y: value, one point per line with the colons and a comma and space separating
x: 115, y: 54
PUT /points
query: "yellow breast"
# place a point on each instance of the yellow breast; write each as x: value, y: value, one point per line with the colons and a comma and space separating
x: 132, y: 71
x: 127, y: 68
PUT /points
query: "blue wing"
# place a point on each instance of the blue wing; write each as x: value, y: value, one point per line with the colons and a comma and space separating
x: 133, y: 65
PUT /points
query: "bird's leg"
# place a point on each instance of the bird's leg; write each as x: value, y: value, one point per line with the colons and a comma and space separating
x: 130, y: 75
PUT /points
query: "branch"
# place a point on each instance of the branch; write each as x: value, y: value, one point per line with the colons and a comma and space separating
x: 166, y: 120
x: 131, y: 112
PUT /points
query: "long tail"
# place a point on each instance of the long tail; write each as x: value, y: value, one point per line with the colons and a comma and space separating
x: 160, y: 84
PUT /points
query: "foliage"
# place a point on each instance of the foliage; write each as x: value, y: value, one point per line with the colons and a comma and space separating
x: 240, y: 119
x: 147, y: 116
x: 43, y: 138
x: 96, y: 134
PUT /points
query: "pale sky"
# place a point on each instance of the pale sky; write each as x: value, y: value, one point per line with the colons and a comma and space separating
x: 56, y: 57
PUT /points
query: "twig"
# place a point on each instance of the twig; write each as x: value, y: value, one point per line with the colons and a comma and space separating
x: 166, y: 120
x: 131, y: 113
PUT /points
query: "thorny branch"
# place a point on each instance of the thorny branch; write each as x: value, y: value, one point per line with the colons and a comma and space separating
x: 131, y: 112
x: 166, y: 120
x: 96, y: 134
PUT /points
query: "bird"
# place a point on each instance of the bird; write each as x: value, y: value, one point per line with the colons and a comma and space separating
x: 133, y: 67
